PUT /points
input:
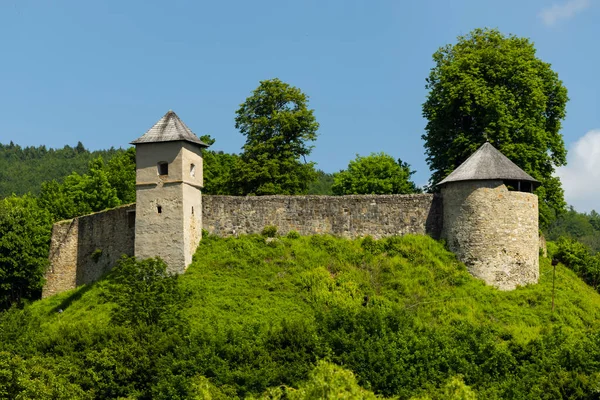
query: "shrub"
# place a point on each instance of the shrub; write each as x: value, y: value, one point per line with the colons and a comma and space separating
x: 269, y: 231
x: 293, y: 235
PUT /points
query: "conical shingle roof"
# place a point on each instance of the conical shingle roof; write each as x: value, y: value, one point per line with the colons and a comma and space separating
x: 168, y: 129
x: 487, y: 163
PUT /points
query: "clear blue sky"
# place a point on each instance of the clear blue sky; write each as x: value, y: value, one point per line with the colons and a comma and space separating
x: 103, y: 72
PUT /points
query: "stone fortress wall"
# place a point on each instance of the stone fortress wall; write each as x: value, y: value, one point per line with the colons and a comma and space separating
x: 346, y: 216
x: 84, y: 248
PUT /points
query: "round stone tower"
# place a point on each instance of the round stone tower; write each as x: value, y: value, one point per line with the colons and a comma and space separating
x: 491, y: 219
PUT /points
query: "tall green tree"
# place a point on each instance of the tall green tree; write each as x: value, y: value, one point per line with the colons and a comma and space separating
x: 492, y: 87
x: 24, y: 243
x: 378, y: 173
x: 278, y: 126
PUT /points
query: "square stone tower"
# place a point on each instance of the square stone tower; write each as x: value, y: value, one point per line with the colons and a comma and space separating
x: 168, y: 221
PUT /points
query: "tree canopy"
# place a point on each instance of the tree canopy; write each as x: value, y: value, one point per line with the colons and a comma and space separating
x: 24, y: 243
x: 492, y: 87
x: 378, y: 173
x: 278, y: 126
x: 81, y: 194
x: 24, y: 169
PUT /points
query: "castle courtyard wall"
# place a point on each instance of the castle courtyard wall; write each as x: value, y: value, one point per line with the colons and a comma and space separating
x: 85, y: 248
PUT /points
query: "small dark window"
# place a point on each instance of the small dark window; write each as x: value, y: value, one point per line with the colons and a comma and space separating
x: 131, y: 218
x: 192, y: 170
x: 519, y: 186
x: 159, y: 209
x: 163, y: 168
x: 192, y: 210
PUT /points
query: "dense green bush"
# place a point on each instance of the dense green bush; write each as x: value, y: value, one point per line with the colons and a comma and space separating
x: 580, y: 259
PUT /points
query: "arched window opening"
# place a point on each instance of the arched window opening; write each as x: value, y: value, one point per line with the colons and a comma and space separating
x: 163, y: 168
x: 192, y: 170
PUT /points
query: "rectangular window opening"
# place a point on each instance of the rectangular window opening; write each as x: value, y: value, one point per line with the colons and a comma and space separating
x: 163, y: 168
x: 131, y: 219
x: 159, y: 209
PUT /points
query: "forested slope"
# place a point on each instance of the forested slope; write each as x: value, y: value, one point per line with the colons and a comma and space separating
x: 23, y: 169
x: 253, y: 316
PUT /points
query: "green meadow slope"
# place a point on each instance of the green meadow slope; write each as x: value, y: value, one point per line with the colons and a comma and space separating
x: 308, y: 317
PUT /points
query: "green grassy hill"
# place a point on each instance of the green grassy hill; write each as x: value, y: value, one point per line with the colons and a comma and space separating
x: 252, y: 316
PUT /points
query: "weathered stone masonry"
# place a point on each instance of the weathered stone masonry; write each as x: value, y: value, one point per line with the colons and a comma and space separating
x: 492, y: 229
x: 345, y: 216
x: 85, y: 248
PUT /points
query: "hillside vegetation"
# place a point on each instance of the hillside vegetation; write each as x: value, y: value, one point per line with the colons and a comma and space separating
x: 23, y: 169
x: 306, y: 317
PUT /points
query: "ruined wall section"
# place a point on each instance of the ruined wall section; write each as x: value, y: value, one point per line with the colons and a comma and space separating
x: 494, y: 231
x: 85, y: 248
x: 346, y: 216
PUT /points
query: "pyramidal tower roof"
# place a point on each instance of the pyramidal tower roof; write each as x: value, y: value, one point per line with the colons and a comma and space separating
x: 169, y: 129
x: 487, y: 163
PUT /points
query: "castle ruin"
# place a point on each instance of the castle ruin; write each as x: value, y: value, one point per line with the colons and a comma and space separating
x: 486, y: 213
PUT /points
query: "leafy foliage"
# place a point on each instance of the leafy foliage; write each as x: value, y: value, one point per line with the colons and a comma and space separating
x: 24, y: 243
x: 23, y: 169
x: 92, y: 191
x: 322, y: 185
x: 219, y: 170
x: 378, y: 173
x: 120, y: 171
x: 278, y: 125
x: 144, y: 293
x: 583, y: 227
x: 393, y: 317
x: 491, y: 87
x: 578, y: 257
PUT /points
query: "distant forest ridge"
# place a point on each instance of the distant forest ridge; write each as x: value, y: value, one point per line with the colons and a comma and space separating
x: 23, y: 169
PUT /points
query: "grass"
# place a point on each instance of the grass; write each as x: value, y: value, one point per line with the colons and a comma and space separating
x: 233, y: 280
x: 258, y: 286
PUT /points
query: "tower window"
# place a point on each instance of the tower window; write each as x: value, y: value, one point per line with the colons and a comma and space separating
x: 192, y: 170
x: 159, y: 209
x: 163, y: 168
x: 131, y: 218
